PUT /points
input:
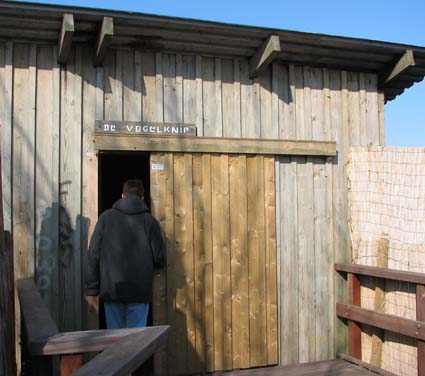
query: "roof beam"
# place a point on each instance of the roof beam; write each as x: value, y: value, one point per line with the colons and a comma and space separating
x: 65, y: 38
x: 407, y: 60
x: 104, y: 39
x: 264, y: 55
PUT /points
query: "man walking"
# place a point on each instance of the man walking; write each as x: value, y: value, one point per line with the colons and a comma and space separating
x: 125, y: 248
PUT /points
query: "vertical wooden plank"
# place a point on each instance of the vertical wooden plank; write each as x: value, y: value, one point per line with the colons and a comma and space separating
x: 330, y: 134
x: 113, y: 85
x: 132, y: 101
x: 177, y: 349
x: 149, y: 89
x: 372, y: 109
x: 221, y: 262
x: 24, y: 95
x: 173, y: 89
x: 6, y: 157
x: 189, y: 89
x: 257, y: 260
x: 23, y: 224
x: 322, y: 229
x: 363, y: 130
x: 342, y: 247
x: 202, y: 244
x: 269, y: 129
x: 6, y: 83
x: 355, y: 333
x: 184, y: 296
x: 354, y: 108
x: 70, y: 193
x: 250, y: 104
x: 199, y: 99
x: 231, y: 98
x: 270, y: 262
x: 162, y: 191
x: 239, y: 261
x: 211, y: 74
x: 92, y: 110
x: 289, y: 316
x: 420, y: 316
x: 47, y: 178
x: 307, y: 322
x: 285, y: 101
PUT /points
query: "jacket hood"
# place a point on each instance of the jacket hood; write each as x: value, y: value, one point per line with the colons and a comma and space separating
x: 131, y: 205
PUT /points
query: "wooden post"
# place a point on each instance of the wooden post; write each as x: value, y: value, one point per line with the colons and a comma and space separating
x: 70, y: 364
x: 354, y: 330
x: 420, y: 316
x: 378, y: 334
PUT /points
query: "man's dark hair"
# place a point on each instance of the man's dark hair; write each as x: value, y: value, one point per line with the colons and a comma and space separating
x: 133, y: 187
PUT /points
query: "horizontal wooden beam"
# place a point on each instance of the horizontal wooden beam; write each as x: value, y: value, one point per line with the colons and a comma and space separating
x: 407, y: 60
x: 264, y: 55
x: 104, y: 38
x: 128, y: 354
x: 80, y: 342
x: 214, y: 145
x: 65, y: 38
x: 400, y: 325
x: 373, y: 271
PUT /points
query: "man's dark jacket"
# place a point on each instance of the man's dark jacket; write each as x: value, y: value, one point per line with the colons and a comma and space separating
x: 125, y: 248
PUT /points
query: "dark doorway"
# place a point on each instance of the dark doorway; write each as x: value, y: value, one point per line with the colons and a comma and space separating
x: 114, y: 169
x: 117, y: 167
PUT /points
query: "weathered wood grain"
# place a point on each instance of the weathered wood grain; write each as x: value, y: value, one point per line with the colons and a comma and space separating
x: 257, y: 261
x: 211, y: 145
x: 270, y: 260
x: 6, y: 82
x: 212, y: 107
x: 221, y: 262
x: 47, y: 178
x: 93, y: 104
x: 70, y: 221
x: 239, y: 261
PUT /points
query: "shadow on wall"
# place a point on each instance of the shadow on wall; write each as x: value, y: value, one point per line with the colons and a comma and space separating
x: 58, y: 241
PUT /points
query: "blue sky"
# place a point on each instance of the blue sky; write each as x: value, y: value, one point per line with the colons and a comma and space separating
x: 386, y: 20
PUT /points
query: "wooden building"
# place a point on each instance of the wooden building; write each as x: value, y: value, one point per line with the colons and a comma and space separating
x: 253, y: 208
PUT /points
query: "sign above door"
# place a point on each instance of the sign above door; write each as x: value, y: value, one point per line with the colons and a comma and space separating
x: 142, y: 127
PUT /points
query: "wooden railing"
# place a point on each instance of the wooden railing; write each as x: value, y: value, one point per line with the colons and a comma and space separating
x: 357, y: 315
x: 43, y: 340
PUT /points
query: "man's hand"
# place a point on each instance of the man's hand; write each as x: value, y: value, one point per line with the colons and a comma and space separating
x: 93, y: 303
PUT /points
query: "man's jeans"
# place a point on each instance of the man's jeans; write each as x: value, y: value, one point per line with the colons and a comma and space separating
x: 126, y: 315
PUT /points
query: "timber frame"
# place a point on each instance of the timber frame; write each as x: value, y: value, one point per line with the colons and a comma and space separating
x: 214, y: 145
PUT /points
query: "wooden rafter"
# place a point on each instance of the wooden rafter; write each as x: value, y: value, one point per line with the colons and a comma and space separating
x: 104, y: 39
x: 65, y: 39
x: 264, y: 55
x: 406, y: 60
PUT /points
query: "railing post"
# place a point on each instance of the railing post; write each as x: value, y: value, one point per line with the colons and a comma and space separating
x: 420, y: 316
x: 70, y: 364
x: 354, y: 330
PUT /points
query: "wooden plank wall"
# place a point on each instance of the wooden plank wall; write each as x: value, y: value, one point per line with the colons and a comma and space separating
x: 41, y: 119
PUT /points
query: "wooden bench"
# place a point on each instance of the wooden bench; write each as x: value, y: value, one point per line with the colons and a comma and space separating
x: 131, y: 346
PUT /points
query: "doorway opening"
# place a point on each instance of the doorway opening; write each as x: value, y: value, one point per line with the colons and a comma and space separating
x: 114, y: 169
x: 117, y: 167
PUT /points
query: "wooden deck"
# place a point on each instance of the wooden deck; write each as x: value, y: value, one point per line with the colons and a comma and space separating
x: 338, y: 367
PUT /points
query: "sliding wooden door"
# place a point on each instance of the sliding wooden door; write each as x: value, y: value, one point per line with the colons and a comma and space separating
x: 218, y: 291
